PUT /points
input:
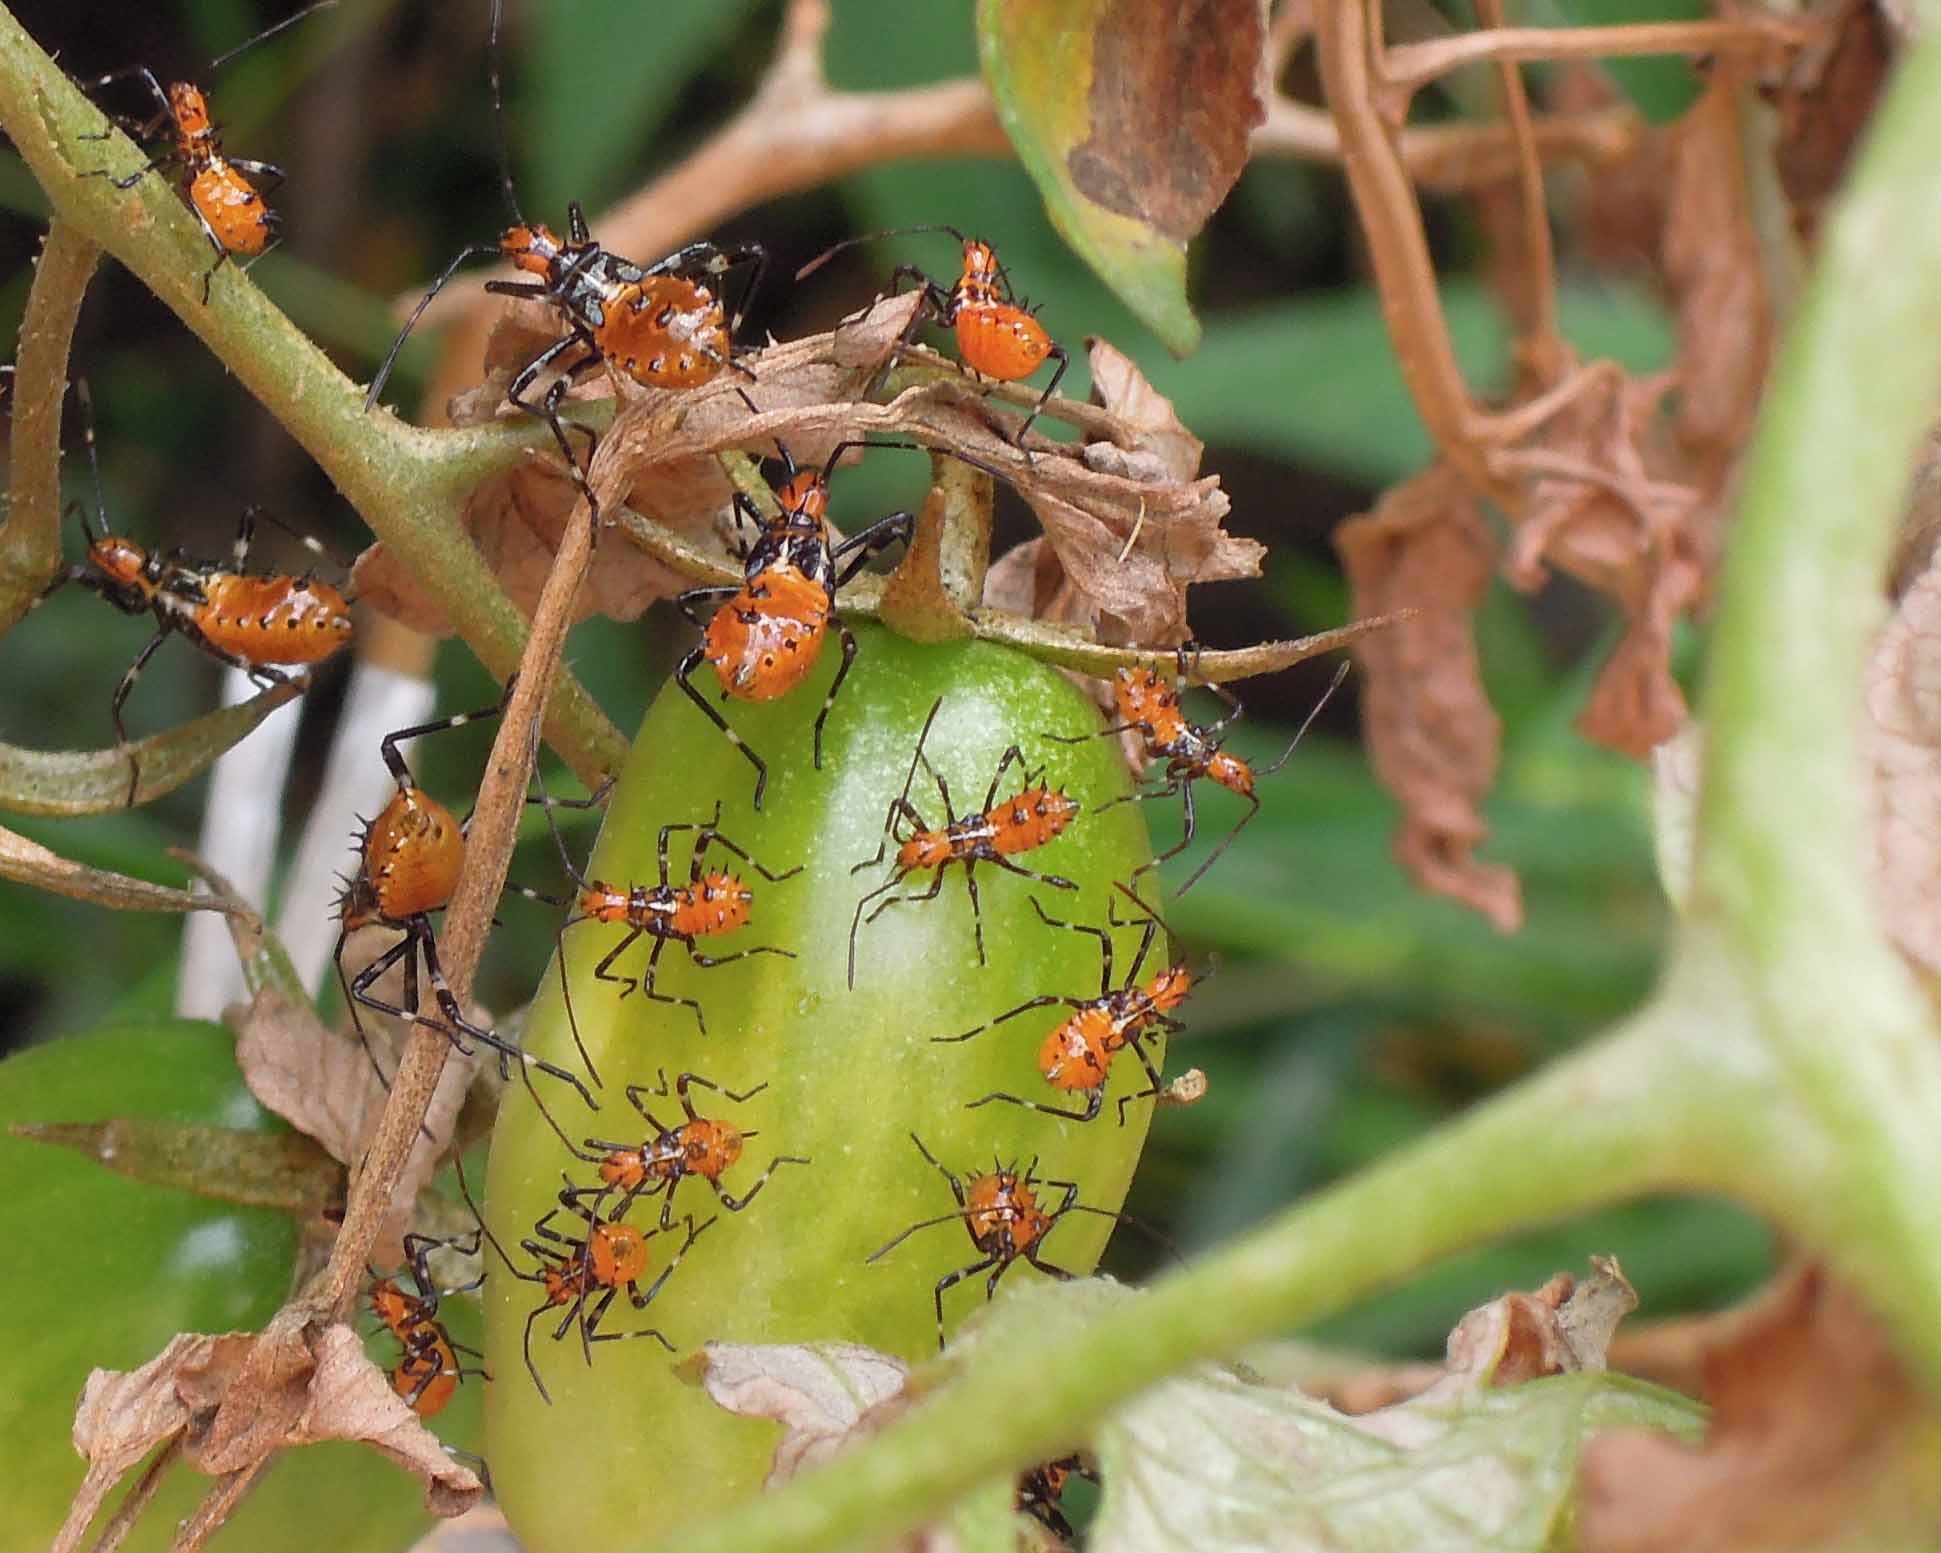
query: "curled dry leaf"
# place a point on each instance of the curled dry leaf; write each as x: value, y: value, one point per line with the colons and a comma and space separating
x: 1597, y: 511
x: 1819, y: 1437
x: 825, y: 1396
x: 283, y: 1391
x: 327, y: 1085
x: 1431, y: 731
x: 1130, y: 523
x: 1713, y: 264
x: 820, y: 1393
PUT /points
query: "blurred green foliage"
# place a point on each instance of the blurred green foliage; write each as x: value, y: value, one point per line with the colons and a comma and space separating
x: 1347, y: 1012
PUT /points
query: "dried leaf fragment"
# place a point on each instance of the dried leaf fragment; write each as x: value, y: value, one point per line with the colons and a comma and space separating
x: 1432, y: 734
x: 326, y: 1085
x: 820, y: 1393
x: 1819, y: 1436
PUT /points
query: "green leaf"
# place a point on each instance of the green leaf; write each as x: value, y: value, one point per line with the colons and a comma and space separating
x: 1132, y: 127
x: 259, y: 1170
x: 75, y: 782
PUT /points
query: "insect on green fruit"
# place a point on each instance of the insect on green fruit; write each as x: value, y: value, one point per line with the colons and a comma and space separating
x: 627, y: 1447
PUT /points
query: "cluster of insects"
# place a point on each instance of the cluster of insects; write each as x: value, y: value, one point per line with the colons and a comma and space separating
x: 669, y: 324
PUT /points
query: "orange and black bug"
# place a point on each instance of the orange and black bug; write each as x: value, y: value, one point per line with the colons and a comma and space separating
x: 1041, y: 1489
x: 584, y: 1273
x: 996, y: 834
x: 766, y: 634
x: 712, y: 903
x: 263, y: 623
x: 428, y: 1371
x: 664, y: 324
x: 1149, y: 705
x: 705, y: 1147
x: 226, y: 204
x: 998, y: 335
x: 409, y: 859
x: 1007, y: 1224
x: 1076, y: 1057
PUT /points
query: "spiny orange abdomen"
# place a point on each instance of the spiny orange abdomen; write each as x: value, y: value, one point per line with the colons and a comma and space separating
x: 764, y: 641
x: 232, y: 207
x: 274, y: 619
x: 1078, y: 1054
x: 1031, y: 818
x: 1148, y: 702
x: 413, y: 854
x: 1001, y: 341
x: 666, y: 332
x: 713, y: 904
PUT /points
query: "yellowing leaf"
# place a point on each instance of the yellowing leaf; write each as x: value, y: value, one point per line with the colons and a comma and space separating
x: 1133, y: 118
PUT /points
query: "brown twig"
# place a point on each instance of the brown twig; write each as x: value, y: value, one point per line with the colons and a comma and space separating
x: 30, y: 538
x: 488, y: 851
x: 1542, y: 352
x: 1408, y: 67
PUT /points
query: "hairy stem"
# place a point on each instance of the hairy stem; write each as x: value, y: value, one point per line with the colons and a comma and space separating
x: 30, y: 539
x: 405, y: 483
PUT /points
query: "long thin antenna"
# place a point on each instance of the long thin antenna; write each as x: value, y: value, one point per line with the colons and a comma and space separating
x: 498, y: 114
x: 270, y: 32
x: 84, y: 397
x: 869, y: 237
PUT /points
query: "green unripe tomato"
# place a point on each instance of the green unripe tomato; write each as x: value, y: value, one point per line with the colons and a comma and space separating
x: 99, y: 1270
x: 627, y: 1446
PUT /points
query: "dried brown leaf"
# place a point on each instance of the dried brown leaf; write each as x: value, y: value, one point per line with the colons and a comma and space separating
x: 350, y: 1398
x: 1818, y: 1436
x: 1597, y: 511
x: 327, y: 1086
x: 123, y: 1415
x: 1828, y: 101
x: 228, y: 1164
x: 1713, y: 264
x: 1161, y: 437
x: 1431, y: 731
x: 1175, y: 92
x: 1902, y: 733
x: 822, y: 1394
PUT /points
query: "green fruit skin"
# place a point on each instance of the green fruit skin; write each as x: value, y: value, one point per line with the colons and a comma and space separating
x: 100, y: 1271
x: 628, y: 1448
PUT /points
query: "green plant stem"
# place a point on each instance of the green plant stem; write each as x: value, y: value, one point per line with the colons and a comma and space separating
x: 405, y: 482
x: 30, y: 539
x: 1784, y: 822
x: 1636, y: 1114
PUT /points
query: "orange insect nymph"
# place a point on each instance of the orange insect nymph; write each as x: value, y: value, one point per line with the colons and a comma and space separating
x: 1000, y: 1211
x: 766, y: 639
x: 123, y: 563
x: 413, y: 852
x: 190, y: 111
x: 534, y: 249
x: 701, y: 1146
x: 585, y: 1273
x: 766, y: 635
x: 711, y: 904
x: 427, y: 1376
x: 1076, y: 1056
x: 995, y: 834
